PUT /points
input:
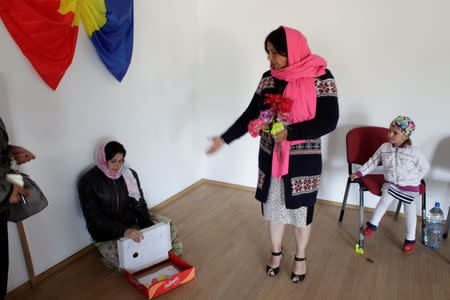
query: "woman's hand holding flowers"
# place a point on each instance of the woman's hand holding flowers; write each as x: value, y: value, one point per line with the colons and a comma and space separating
x: 280, y: 136
x: 274, y: 119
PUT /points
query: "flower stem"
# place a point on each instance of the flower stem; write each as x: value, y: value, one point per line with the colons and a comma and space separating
x: 279, y: 151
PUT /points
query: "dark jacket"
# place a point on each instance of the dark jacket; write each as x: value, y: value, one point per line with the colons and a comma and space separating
x: 5, y: 186
x: 301, y: 184
x: 107, y: 207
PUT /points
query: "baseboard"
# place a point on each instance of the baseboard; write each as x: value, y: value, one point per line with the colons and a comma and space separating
x: 231, y: 185
x: 352, y: 206
x: 252, y: 189
x: 195, y: 185
x: 327, y: 202
x: 178, y: 195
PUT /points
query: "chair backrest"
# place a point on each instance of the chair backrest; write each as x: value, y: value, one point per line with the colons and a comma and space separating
x: 362, y: 142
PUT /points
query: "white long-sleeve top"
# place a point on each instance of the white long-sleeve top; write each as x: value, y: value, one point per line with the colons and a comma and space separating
x: 403, y: 166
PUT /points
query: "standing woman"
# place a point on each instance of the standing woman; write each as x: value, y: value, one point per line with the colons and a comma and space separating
x: 9, y: 194
x: 288, y: 182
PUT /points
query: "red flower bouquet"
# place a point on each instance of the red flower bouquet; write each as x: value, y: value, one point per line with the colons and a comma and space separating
x: 273, y: 119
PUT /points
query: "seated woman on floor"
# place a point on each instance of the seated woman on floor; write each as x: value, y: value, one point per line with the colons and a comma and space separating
x: 113, y: 203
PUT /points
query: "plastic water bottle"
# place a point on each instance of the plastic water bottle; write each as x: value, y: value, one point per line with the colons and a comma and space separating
x: 434, y: 227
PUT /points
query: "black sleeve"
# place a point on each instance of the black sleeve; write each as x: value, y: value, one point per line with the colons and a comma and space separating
x: 5, y: 192
x: 325, y: 121
x: 5, y: 186
x: 98, y: 223
x: 240, y: 127
x: 140, y: 207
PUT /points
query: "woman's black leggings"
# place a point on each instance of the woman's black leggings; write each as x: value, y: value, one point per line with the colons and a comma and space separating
x: 4, y: 255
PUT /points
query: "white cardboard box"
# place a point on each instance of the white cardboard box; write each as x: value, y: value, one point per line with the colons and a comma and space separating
x: 153, y: 249
x: 150, y: 266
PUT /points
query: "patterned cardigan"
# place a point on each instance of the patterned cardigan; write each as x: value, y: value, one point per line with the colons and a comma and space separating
x: 301, y: 184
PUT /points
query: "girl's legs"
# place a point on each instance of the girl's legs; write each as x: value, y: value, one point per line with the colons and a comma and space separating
x: 381, y: 208
x: 276, y: 231
x: 302, y: 235
x: 411, y: 219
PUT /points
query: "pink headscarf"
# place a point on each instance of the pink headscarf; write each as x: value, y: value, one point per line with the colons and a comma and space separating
x: 130, y: 181
x: 300, y: 72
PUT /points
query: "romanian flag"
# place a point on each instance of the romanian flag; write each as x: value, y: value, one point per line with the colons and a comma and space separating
x: 46, y: 31
x: 109, y: 25
x: 46, y: 36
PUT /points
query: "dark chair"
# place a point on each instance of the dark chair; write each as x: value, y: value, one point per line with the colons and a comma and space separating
x: 361, y: 144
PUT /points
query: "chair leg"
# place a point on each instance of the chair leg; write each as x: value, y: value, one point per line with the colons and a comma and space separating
x: 398, y: 210
x: 344, y: 201
x: 447, y: 224
x: 361, y: 216
x: 424, y: 214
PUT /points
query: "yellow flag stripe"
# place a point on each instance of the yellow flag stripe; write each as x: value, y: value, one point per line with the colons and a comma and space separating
x: 91, y: 12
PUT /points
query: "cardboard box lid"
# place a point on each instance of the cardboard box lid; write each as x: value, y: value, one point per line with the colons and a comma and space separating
x: 153, y: 249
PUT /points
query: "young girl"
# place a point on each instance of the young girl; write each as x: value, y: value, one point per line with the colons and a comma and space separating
x: 403, y: 167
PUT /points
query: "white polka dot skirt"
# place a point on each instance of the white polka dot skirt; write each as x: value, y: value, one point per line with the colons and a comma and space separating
x: 274, y: 210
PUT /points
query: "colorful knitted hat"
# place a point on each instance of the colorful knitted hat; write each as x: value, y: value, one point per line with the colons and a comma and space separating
x: 404, y: 124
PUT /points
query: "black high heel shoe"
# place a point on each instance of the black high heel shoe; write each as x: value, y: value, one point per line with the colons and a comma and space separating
x: 296, y: 278
x: 273, y: 271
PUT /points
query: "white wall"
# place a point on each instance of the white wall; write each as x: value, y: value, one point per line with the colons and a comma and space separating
x: 195, y: 67
x: 388, y: 58
x: 151, y: 112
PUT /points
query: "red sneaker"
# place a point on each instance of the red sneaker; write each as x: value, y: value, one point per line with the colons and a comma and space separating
x: 367, y: 232
x: 408, y: 248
